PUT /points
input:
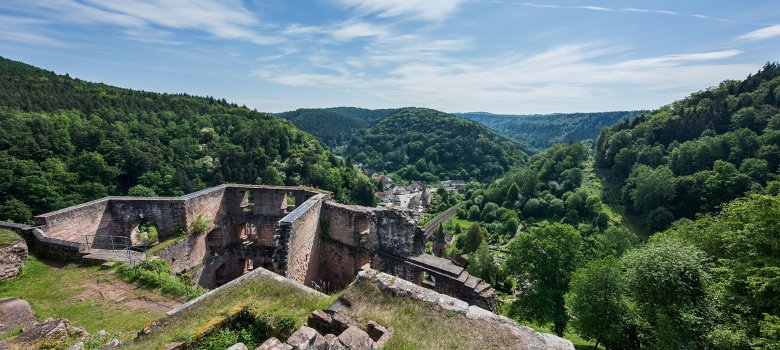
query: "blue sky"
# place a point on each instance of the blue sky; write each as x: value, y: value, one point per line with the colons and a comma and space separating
x: 498, y: 56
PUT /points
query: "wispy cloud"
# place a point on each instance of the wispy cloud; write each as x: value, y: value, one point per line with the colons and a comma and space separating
x: 415, y: 9
x: 222, y: 19
x: 761, y: 34
x: 25, y: 30
x: 567, y: 78
x: 626, y: 9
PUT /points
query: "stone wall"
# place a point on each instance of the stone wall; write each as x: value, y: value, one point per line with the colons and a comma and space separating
x: 298, y: 242
x: 186, y: 253
x: 395, y: 232
x: 71, y: 224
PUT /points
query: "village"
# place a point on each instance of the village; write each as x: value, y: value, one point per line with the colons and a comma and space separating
x: 415, y: 196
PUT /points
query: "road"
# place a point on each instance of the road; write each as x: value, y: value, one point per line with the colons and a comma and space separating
x: 430, y: 228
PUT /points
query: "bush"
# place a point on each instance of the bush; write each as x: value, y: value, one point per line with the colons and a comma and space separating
x: 155, y: 274
x: 199, y: 226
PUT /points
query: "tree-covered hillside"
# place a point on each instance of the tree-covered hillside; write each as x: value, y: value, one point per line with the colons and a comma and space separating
x: 334, y: 126
x: 424, y: 144
x: 67, y: 141
x: 543, y: 130
x: 698, y: 153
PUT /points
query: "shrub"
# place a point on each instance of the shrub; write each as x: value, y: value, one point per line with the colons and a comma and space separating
x: 199, y: 226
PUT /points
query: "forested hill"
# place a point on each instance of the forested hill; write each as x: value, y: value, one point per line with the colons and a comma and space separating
x: 700, y: 152
x: 66, y: 141
x: 334, y: 126
x: 424, y: 144
x: 543, y: 130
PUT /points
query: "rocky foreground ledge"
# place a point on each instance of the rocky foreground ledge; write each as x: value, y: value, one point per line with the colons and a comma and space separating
x: 526, y: 337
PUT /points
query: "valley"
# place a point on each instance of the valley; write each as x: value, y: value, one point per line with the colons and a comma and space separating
x: 625, y: 230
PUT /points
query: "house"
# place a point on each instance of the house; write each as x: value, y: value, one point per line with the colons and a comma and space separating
x: 458, y: 186
x: 384, y: 197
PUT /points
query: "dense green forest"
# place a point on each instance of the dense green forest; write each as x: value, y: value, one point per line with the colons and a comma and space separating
x: 428, y: 145
x: 334, y: 126
x: 67, y: 141
x: 698, y: 153
x: 540, y: 131
x: 706, y: 281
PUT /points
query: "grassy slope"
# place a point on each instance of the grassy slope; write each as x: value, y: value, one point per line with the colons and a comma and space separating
x: 7, y: 237
x: 420, y: 325
x: 259, y: 294
x: 54, y: 292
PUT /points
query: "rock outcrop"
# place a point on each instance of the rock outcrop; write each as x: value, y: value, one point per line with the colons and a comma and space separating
x: 15, y: 314
x: 12, y: 257
x: 525, y: 337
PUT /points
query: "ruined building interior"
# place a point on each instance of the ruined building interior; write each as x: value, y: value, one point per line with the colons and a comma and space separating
x: 297, y: 232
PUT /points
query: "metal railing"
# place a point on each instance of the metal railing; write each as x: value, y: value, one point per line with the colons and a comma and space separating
x: 113, y: 243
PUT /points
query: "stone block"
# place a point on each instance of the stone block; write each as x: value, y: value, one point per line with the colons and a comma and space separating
x: 303, y: 338
x: 355, y: 338
x: 375, y: 331
x: 15, y: 314
x: 273, y: 344
x: 333, y: 342
x: 238, y: 346
x: 321, y: 321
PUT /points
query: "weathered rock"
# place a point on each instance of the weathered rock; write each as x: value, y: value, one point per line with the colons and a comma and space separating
x: 110, y: 345
x: 321, y: 321
x: 333, y: 342
x: 15, y: 314
x: 355, y: 339
x: 238, y: 346
x: 12, y: 257
x: 273, y: 344
x: 525, y: 337
x: 303, y: 338
x: 340, y: 323
x: 79, y: 332
x: 320, y: 343
x: 50, y: 330
x: 77, y: 346
x: 378, y: 333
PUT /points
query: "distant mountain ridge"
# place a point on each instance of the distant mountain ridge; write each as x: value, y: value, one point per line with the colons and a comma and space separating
x: 429, y: 145
x: 543, y: 130
x: 333, y: 126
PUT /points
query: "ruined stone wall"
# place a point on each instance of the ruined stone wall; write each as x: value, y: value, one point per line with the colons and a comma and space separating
x: 347, y: 224
x: 166, y: 214
x: 395, y: 232
x: 210, y: 204
x: 185, y: 254
x: 298, y: 242
x: 71, y: 224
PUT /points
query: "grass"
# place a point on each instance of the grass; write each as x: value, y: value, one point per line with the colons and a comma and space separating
x: 54, y: 292
x: 261, y: 295
x: 8, y: 237
x: 464, y: 224
x: 421, y: 325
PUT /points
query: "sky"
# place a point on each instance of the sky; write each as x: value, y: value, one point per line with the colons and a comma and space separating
x: 500, y: 56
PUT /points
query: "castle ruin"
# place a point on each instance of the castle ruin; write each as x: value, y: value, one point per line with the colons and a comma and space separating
x: 295, y: 231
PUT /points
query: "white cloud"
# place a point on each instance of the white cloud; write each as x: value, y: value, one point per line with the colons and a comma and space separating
x: 25, y: 30
x: 349, y: 31
x: 627, y: 9
x: 223, y: 19
x: 560, y: 79
x: 416, y: 9
x: 761, y: 34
